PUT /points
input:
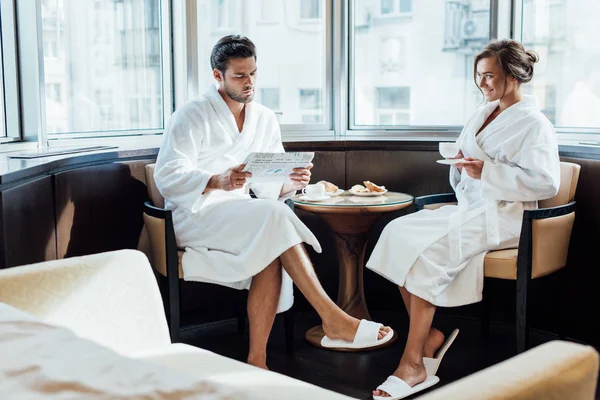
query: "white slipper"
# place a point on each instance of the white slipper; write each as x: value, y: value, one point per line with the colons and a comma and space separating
x: 366, y: 336
x: 398, y: 389
x: 432, y: 364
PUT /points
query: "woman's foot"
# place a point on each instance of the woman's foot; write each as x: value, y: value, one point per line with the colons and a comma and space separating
x: 412, y: 373
x: 435, y: 340
x: 344, y: 327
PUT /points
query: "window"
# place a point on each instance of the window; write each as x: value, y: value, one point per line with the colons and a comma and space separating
x: 395, y: 7
x: 270, y: 98
x: 420, y: 70
x: 310, y: 106
x: 50, y: 48
x: 393, y: 105
x: 566, y: 81
x: 88, y: 87
x: 269, y: 11
x: 291, y: 55
x: 223, y: 14
x: 310, y: 9
x: 2, y: 109
x: 53, y: 92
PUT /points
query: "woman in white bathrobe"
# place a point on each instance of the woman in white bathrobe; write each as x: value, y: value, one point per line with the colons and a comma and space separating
x: 229, y: 238
x: 436, y: 256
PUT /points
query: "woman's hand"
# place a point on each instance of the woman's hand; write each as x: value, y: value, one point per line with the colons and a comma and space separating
x: 459, y: 155
x: 473, y: 166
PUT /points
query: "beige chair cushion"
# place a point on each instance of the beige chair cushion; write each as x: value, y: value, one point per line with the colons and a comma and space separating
x: 435, y: 206
x: 501, y: 264
x: 553, y: 371
x: 153, y: 193
x: 156, y: 233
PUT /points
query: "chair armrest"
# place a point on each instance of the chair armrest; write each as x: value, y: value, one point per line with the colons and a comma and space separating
x: 156, y: 212
x: 550, y: 212
x: 423, y: 201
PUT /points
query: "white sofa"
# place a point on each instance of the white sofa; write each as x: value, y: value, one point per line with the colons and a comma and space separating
x: 113, y: 299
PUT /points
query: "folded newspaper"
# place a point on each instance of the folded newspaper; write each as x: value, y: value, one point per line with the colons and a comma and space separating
x: 275, y: 167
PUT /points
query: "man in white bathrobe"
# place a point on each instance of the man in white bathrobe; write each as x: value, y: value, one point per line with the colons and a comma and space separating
x: 230, y: 238
x: 509, y: 161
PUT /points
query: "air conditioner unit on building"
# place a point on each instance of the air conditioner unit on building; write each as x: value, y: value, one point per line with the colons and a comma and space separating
x: 468, y: 29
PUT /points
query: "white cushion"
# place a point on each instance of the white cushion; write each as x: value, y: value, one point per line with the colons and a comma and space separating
x: 41, y: 361
x: 221, y: 370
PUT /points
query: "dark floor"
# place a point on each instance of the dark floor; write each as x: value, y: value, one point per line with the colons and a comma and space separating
x: 356, y: 374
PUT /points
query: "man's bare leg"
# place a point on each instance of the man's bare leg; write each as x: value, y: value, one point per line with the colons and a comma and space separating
x: 411, y: 369
x: 435, y: 340
x: 336, y: 323
x: 263, y: 298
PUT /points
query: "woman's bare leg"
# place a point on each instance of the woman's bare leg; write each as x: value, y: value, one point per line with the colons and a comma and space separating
x: 411, y: 368
x: 435, y: 339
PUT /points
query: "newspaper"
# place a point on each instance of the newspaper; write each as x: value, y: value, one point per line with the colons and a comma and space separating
x: 275, y: 167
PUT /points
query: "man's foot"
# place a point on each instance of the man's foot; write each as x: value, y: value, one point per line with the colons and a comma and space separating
x: 435, y: 340
x: 258, y: 361
x: 344, y: 327
x: 410, y: 372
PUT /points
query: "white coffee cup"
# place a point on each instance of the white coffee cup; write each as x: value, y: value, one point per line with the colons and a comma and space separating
x: 448, y: 149
x: 314, y: 191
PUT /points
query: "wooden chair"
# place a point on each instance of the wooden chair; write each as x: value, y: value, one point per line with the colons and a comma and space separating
x: 166, y: 261
x: 543, y: 247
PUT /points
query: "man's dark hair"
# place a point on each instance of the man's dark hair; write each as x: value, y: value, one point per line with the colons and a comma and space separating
x: 228, y: 47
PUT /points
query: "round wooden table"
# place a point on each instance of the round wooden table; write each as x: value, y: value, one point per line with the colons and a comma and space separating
x: 351, y: 218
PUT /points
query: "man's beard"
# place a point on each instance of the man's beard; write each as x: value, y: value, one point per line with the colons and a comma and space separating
x: 238, y: 96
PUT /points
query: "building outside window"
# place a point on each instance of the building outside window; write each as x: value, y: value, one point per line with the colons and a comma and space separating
x: 393, y: 105
x: 421, y: 73
x: 269, y: 97
x: 310, y: 9
x: 310, y: 106
x: 567, y: 79
x: 105, y: 46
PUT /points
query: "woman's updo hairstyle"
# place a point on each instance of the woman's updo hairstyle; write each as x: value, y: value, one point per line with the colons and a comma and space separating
x: 512, y: 57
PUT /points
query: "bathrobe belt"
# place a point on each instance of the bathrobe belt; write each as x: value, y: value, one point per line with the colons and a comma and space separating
x: 490, y: 208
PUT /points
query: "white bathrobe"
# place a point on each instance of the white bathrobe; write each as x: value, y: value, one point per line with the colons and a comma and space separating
x: 438, y: 255
x: 228, y: 237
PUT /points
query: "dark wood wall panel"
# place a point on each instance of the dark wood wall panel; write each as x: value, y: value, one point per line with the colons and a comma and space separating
x: 99, y: 208
x: 28, y: 234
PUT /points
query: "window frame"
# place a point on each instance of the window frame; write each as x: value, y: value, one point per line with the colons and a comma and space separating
x: 11, y: 129
x: 186, y: 64
x: 166, y: 88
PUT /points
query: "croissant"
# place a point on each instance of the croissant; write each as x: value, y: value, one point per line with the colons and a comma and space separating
x: 329, y: 187
x: 373, y: 187
x: 359, y: 189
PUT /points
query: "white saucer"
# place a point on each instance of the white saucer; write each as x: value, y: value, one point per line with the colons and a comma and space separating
x: 306, y: 198
x: 449, y: 161
x: 367, y: 194
x: 336, y: 193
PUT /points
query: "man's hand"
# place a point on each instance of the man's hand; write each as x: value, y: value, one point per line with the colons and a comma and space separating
x: 473, y: 166
x: 229, y: 180
x: 299, y: 179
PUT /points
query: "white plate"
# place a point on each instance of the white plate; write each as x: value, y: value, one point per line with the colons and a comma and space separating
x: 336, y: 193
x: 449, y: 161
x: 306, y: 198
x: 367, y: 194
